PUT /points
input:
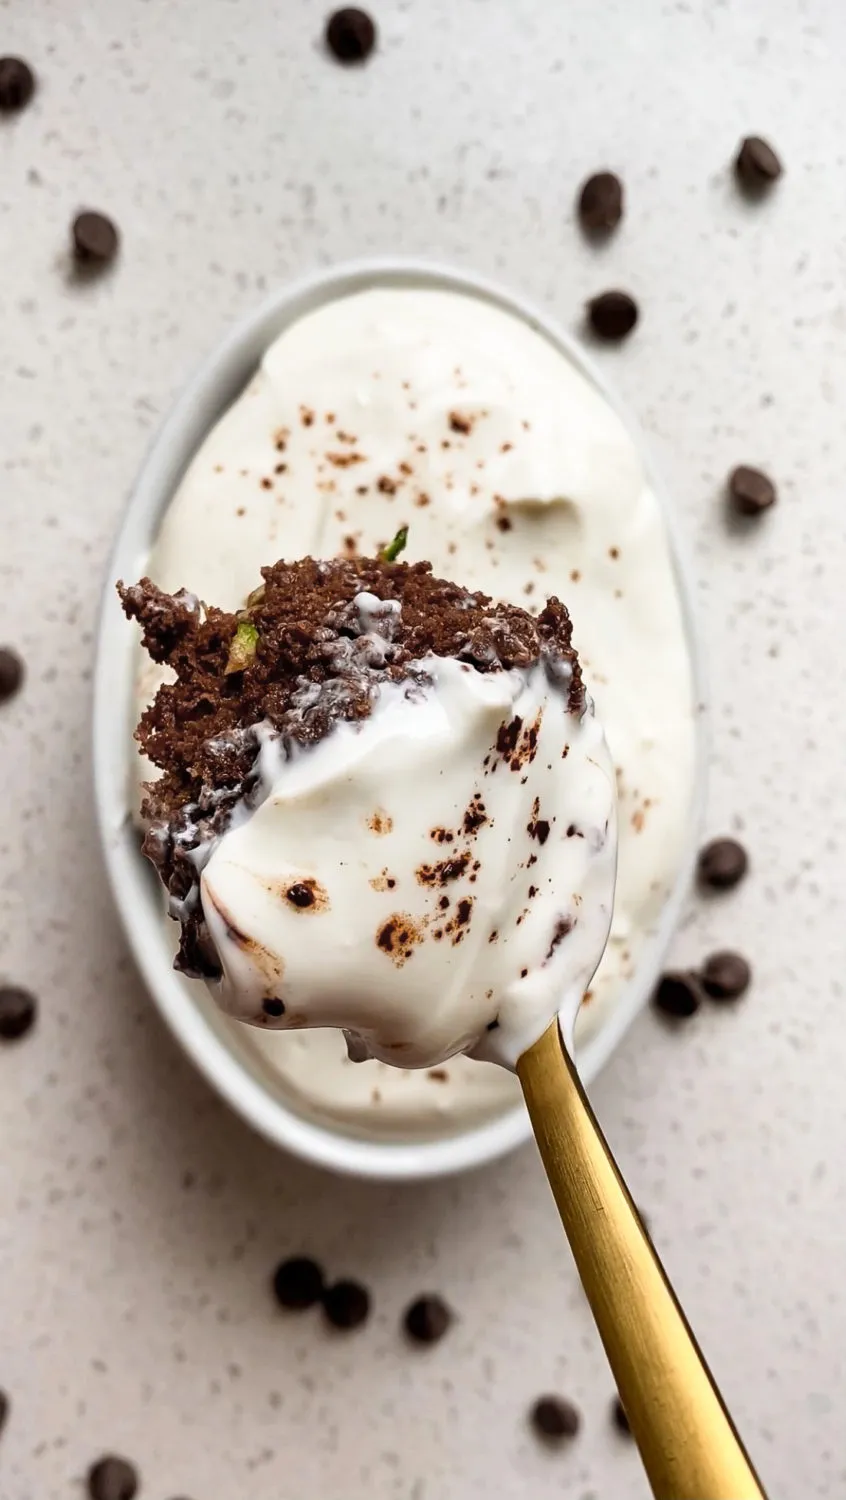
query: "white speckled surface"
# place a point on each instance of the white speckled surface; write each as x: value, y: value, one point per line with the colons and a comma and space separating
x: 138, y: 1219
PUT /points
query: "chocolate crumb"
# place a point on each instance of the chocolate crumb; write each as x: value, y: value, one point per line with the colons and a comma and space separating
x: 346, y: 1304
x: 554, y: 1419
x: 4, y: 1410
x: 438, y: 1075
x: 298, y: 1283
x: 460, y: 423
x: 427, y: 1319
x: 273, y: 1006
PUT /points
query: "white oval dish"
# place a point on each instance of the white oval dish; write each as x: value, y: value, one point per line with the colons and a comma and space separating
x: 205, y: 1035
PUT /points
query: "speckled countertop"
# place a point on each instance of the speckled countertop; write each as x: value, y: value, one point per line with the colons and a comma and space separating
x: 139, y: 1220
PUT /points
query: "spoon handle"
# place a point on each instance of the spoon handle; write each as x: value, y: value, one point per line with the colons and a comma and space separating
x: 687, y: 1440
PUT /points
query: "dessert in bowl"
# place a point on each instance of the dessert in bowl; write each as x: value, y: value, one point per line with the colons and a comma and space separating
x: 360, y: 402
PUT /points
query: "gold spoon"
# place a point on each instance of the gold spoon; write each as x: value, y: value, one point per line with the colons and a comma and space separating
x: 687, y: 1440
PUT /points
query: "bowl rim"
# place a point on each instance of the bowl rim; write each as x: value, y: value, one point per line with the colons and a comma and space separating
x: 211, y: 388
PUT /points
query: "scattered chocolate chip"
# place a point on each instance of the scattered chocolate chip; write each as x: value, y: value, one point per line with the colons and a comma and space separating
x: 11, y: 673
x: 427, y: 1319
x: 17, y: 1012
x: 722, y: 864
x: 678, y: 994
x: 298, y: 1283
x: 601, y: 202
x: 95, y: 238
x: 612, y: 315
x: 750, y: 491
x: 300, y: 895
x: 4, y: 1409
x: 619, y: 1418
x: 17, y: 84
x: 726, y: 976
x: 350, y: 35
x: 112, y: 1479
x: 756, y: 163
x: 346, y: 1304
x: 273, y: 1007
x: 554, y: 1419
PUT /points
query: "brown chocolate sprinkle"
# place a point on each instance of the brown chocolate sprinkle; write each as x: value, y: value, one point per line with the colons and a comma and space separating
x: 298, y: 1283
x: 380, y: 823
x: 722, y: 864
x: 11, y: 673
x: 554, y: 1419
x: 346, y: 1304
x: 750, y: 491
x: 398, y: 936
x: 726, y: 976
x: 563, y: 926
x: 756, y: 164
x: 460, y: 423
x: 678, y: 994
x: 612, y: 315
x: 112, y: 1478
x: 438, y: 1075
x: 17, y: 84
x: 18, y: 1009
x: 427, y: 1319
x: 538, y: 828
x: 619, y: 1418
x: 95, y: 239
x: 350, y: 35
x: 601, y: 203
x: 475, y: 817
x: 446, y: 871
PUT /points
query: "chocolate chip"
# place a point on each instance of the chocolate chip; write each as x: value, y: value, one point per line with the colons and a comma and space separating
x: 756, y: 163
x: 750, y: 491
x: 300, y: 895
x: 4, y: 1409
x: 554, y: 1419
x: 11, y: 673
x: 601, y: 202
x: 350, y: 35
x: 112, y: 1479
x: 726, y: 976
x: 678, y: 994
x: 612, y: 315
x: 619, y: 1418
x: 722, y: 864
x: 298, y: 1283
x: 95, y: 238
x: 17, y: 1012
x: 427, y: 1319
x: 346, y: 1304
x: 17, y: 84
